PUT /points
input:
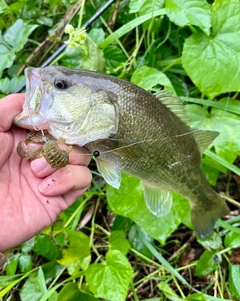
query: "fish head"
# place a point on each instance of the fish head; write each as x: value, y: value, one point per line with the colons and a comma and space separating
x: 60, y: 101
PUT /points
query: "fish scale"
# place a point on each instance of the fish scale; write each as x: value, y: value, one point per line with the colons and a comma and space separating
x: 129, y: 130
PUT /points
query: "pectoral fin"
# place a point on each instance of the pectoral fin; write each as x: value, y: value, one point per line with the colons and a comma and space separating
x: 158, y: 201
x: 110, y: 174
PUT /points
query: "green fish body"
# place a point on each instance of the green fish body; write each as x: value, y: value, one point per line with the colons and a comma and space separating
x: 128, y: 130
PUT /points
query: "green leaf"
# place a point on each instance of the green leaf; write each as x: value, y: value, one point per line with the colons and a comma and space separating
x: 135, y: 238
x: 97, y: 35
x: 78, y: 248
x: 44, y: 246
x: 31, y: 289
x: 25, y: 263
x: 3, y: 6
x: 227, y: 144
x: 51, y: 270
x: 7, y: 57
x: 129, y: 26
x: 71, y: 292
x: 5, y: 85
x: 196, y: 297
x: 118, y: 241
x: 234, y: 280
x: 12, y: 263
x: 190, y: 12
x: 128, y: 201
x: 148, y: 78
x: 213, y: 62
x: 17, y: 35
x: 110, y: 279
x: 135, y: 5
x: 232, y: 240
x: 168, y: 291
x: 214, y: 242
x: 208, y: 263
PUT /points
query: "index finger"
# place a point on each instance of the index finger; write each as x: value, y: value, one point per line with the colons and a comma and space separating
x: 10, y: 106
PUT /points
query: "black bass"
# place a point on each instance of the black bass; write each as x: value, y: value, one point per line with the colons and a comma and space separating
x: 126, y: 129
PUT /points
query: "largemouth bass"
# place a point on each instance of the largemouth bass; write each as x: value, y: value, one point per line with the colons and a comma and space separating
x: 126, y: 129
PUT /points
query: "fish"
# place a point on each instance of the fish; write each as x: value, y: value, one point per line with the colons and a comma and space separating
x: 127, y: 129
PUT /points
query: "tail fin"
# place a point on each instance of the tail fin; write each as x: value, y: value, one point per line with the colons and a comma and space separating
x: 203, y: 219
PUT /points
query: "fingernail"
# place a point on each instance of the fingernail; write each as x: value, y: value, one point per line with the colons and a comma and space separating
x: 38, y: 165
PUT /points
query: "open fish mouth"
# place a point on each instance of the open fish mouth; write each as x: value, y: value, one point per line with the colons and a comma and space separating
x: 30, y: 117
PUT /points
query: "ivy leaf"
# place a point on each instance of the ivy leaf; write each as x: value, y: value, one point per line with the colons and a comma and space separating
x: 208, y: 263
x: 191, y: 12
x: 78, y: 248
x: 227, y: 144
x: 232, y: 240
x: 110, y: 279
x: 135, y: 238
x: 34, y: 287
x: 213, y: 62
x: 25, y: 263
x: 148, y: 78
x: 12, y: 263
x: 13, y: 41
x: 214, y: 242
x: 119, y: 242
x: 234, y: 276
x: 71, y: 292
x: 128, y: 201
x: 3, y: 6
x: 45, y: 247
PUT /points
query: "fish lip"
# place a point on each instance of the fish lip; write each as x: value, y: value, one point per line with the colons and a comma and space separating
x: 28, y: 119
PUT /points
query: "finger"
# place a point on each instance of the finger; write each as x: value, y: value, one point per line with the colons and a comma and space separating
x: 78, y: 156
x: 66, y: 179
x: 10, y: 106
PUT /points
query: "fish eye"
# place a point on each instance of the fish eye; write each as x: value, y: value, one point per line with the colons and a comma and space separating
x: 60, y: 84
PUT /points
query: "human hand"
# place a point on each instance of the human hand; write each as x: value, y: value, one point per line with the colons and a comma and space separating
x: 32, y: 194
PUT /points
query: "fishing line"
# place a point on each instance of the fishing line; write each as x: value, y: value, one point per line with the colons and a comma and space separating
x: 98, y: 153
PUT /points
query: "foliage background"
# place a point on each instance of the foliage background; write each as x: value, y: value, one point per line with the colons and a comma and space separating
x: 107, y: 246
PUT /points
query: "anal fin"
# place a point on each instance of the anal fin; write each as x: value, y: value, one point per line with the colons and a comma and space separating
x: 158, y: 201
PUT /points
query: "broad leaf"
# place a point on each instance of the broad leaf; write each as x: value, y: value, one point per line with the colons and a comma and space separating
x: 232, y: 240
x: 17, y: 35
x: 110, y: 279
x: 213, y: 62
x: 71, y: 292
x: 78, y: 248
x: 234, y: 282
x: 118, y: 241
x: 190, y: 12
x: 128, y: 201
x: 148, y: 78
x: 208, y: 263
x: 227, y: 144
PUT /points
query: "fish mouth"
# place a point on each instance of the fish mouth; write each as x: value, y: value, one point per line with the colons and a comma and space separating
x: 30, y: 118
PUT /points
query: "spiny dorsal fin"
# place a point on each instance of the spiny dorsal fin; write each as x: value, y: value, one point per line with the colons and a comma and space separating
x: 204, y: 138
x: 174, y: 104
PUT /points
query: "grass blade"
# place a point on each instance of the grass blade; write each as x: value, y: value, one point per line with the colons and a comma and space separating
x: 129, y: 26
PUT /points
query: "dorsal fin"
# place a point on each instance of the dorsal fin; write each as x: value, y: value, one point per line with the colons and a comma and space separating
x: 174, y: 104
x: 204, y: 138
